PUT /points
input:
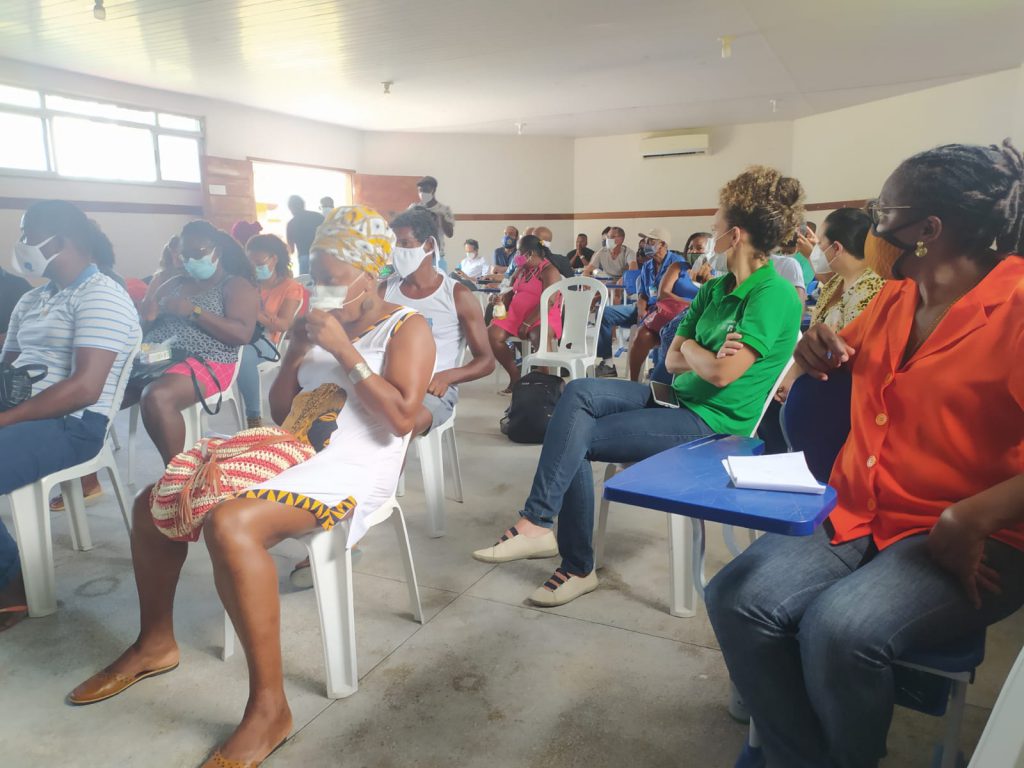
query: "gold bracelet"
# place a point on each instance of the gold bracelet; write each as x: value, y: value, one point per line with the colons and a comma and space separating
x: 360, y: 372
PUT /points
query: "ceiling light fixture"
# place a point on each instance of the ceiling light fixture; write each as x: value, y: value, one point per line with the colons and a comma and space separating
x: 775, y: 104
x: 387, y: 86
x: 726, y: 41
x: 98, y: 11
x: 519, y: 127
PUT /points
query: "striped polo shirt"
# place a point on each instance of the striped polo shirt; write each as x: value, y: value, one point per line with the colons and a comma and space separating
x: 50, y: 323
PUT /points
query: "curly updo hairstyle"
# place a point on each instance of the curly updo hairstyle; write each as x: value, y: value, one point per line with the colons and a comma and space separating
x: 764, y: 203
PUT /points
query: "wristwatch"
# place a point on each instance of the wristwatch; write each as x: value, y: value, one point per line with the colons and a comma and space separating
x: 360, y: 372
x: 197, y: 311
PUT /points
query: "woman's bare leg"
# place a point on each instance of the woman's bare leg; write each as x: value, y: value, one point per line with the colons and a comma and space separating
x: 161, y: 402
x: 157, y: 562
x: 503, y: 353
x: 238, y: 535
x: 643, y: 343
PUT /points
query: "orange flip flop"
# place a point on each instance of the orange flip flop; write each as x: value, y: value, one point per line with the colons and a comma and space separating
x: 104, y: 685
x: 12, y: 609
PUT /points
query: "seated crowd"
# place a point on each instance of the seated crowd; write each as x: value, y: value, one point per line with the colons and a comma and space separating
x: 918, y: 296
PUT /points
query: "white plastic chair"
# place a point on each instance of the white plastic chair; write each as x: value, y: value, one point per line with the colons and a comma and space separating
x: 436, y: 450
x: 1002, y: 741
x: 30, y: 506
x: 331, y: 562
x: 684, y: 572
x: 193, y: 416
x: 576, y: 350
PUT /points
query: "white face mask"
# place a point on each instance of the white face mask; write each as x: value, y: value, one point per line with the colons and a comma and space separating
x: 408, y: 260
x: 29, y: 260
x: 328, y: 297
x: 821, y: 263
x: 609, y: 243
x: 546, y: 243
x: 425, y: 197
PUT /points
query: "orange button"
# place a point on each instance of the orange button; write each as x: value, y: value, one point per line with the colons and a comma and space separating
x: 872, y: 505
x: 872, y: 460
x: 881, y: 419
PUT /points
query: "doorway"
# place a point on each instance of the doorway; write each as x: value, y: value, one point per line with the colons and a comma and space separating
x: 275, y: 182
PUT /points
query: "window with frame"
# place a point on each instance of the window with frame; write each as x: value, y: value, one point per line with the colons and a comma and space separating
x: 53, y: 134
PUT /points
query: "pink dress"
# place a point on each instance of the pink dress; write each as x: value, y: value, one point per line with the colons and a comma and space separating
x: 526, y: 290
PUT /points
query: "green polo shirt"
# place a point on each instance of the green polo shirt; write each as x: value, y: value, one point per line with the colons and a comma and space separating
x: 766, y: 310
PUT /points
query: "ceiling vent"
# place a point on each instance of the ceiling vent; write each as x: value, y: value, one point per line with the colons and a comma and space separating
x: 675, y: 146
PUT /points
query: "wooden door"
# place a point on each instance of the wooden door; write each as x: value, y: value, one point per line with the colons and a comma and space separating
x: 388, y: 195
x: 228, y: 194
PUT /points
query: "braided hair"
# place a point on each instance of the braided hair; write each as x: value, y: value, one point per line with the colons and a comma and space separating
x: 977, y: 191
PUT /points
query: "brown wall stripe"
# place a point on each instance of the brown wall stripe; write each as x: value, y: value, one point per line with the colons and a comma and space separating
x: 610, y: 215
x: 106, y: 206
x: 100, y: 206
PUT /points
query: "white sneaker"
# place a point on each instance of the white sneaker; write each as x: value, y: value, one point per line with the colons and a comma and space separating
x: 563, y: 588
x: 518, y: 547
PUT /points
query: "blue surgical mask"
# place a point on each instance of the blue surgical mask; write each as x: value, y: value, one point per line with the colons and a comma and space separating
x: 649, y: 251
x: 201, y: 269
x: 263, y: 272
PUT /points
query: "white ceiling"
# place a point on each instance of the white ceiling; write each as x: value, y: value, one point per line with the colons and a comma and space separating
x: 562, y: 67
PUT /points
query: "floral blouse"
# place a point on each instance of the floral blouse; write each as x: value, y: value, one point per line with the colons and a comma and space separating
x: 837, y: 308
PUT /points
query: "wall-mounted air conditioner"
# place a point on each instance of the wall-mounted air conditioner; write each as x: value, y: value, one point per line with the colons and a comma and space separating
x: 678, y: 145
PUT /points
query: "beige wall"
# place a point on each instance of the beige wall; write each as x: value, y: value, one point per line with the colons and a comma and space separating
x: 845, y: 154
x: 850, y: 152
x: 479, y: 174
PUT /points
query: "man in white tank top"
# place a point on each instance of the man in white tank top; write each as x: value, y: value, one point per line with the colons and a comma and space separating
x: 451, y: 309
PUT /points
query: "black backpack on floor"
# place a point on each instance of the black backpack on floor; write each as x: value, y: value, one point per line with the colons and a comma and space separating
x: 534, y: 398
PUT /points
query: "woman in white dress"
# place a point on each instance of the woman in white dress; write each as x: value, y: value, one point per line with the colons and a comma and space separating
x: 382, y: 357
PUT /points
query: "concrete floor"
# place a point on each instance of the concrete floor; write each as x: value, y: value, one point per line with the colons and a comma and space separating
x: 611, y: 679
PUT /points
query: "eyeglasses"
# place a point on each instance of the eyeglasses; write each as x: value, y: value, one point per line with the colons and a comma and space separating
x: 876, y: 210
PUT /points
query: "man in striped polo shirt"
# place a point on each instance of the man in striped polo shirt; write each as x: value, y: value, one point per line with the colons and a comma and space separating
x: 83, y: 327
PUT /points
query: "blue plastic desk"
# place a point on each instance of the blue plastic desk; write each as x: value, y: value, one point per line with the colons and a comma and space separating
x: 690, y: 480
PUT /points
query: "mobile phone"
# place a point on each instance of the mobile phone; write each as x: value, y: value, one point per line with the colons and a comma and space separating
x: 663, y: 395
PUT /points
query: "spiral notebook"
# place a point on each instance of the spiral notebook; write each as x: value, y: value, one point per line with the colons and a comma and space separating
x: 778, y: 472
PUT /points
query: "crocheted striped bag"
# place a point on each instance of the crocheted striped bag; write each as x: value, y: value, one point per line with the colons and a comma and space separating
x: 216, y: 469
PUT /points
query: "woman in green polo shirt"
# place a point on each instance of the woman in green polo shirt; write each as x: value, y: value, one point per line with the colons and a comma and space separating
x: 731, y: 347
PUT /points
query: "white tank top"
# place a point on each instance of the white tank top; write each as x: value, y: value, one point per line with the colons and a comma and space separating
x: 363, y: 460
x: 439, y: 309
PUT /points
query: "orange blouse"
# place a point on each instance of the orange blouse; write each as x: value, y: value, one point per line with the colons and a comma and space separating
x: 273, y: 298
x: 944, y: 427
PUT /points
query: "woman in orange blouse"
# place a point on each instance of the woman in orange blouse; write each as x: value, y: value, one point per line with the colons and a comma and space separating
x: 280, y: 298
x: 926, y: 544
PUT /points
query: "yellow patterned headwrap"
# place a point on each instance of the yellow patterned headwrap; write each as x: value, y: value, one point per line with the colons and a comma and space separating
x: 357, y: 235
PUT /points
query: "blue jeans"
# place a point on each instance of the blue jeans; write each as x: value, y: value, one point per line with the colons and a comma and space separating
x: 597, y: 420
x: 33, y: 449
x: 303, y: 263
x: 249, y: 377
x: 809, y: 632
x: 667, y: 333
x: 615, y: 315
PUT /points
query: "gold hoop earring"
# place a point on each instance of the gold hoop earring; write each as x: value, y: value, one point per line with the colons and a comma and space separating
x: 920, y: 251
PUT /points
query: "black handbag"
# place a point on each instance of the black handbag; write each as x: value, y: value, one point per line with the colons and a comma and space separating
x: 16, y: 382
x: 144, y: 373
x: 259, y: 333
x: 534, y: 398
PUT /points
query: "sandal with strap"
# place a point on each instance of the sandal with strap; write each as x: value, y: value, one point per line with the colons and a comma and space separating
x: 217, y: 759
x: 12, y: 610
